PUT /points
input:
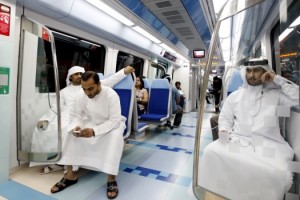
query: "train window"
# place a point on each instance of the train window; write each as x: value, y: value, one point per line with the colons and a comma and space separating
x: 44, y: 80
x: 287, y: 44
x: 73, y: 51
x: 125, y: 59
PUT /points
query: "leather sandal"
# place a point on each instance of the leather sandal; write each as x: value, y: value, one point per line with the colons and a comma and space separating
x: 62, y: 184
x: 112, y: 187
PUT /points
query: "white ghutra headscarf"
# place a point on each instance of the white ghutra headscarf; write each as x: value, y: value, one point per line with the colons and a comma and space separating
x: 74, y: 70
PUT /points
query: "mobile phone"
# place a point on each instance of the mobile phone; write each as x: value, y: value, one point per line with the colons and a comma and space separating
x: 76, y: 131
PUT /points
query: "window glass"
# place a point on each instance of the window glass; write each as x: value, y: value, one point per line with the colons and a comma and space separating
x: 73, y: 51
x: 124, y: 59
x: 286, y: 44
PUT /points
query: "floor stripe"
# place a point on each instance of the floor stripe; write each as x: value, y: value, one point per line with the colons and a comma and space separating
x: 161, y: 147
x: 155, y: 174
x: 182, y: 135
x: 189, y: 126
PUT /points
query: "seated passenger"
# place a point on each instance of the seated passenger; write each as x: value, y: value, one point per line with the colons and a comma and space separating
x: 261, y: 94
x: 142, y: 96
x: 182, y: 96
x: 255, y: 149
x: 44, y: 136
x: 176, y: 108
x: 217, y: 88
x: 95, y: 134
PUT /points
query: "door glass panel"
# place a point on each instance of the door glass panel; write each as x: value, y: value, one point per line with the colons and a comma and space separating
x: 38, y: 96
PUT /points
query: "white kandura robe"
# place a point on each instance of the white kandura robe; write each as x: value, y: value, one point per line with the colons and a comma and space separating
x: 47, y: 140
x: 255, y: 110
x: 102, y: 152
x: 249, y: 112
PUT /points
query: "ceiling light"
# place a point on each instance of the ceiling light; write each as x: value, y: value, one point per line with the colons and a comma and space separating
x: 108, y: 10
x: 296, y: 22
x: 146, y: 34
x: 166, y: 47
x: 287, y: 31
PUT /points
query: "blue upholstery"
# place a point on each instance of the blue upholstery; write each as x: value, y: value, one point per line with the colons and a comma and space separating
x: 146, y: 84
x: 235, y: 82
x: 159, y: 102
x: 138, y: 128
x: 126, y: 91
x: 142, y: 126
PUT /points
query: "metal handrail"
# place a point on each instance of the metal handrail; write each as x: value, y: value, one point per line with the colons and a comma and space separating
x: 232, y: 7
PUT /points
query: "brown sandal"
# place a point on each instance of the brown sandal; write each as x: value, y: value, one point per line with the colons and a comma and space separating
x: 62, y: 184
x: 112, y: 187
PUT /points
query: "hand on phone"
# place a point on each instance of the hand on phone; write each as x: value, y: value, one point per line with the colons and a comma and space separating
x: 76, y: 132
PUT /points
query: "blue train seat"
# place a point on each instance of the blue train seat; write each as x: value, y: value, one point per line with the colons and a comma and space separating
x: 146, y: 84
x: 159, y: 102
x: 126, y: 91
x: 235, y: 82
x: 138, y: 128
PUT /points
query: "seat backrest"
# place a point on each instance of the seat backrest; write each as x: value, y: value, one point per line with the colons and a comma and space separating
x: 160, y: 97
x: 235, y: 82
x: 126, y: 91
x: 138, y: 128
x: 101, y: 76
x: 146, y: 84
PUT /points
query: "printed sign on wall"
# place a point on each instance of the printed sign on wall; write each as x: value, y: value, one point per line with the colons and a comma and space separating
x: 4, y: 80
x: 4, y: 19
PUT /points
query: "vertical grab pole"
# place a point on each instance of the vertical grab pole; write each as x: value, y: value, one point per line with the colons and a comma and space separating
x: 199, y: 192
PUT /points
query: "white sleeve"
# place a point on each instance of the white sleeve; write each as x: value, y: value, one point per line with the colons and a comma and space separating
x: 114, y: 119
x: 289, y: 94
x: 226, y: 117
x: 76, y: 113
x: 113, y: 79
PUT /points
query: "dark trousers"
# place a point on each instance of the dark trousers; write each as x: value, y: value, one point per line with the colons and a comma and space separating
x: 217, y: 102
x: 178, y: 116
x: 140, y: 112
x: 214, y: 126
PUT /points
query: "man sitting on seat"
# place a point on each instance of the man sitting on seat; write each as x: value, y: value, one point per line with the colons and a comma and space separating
x: 249, y: 137
x: 258, y: 99
x: 95, y: 134
x: 44, y: 139
x: 176, y: 108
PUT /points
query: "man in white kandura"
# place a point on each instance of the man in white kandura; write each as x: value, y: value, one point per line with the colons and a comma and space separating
x: 95, y: 134
x: 44, y: 137
x: 250, y: 158
x: 260, y: 98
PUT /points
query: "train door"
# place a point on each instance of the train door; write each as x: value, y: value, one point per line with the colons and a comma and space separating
x: 194, y: 89
x: 37, y: 94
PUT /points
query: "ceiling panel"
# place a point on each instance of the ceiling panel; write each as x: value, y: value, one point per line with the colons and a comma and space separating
x: 174, y: 15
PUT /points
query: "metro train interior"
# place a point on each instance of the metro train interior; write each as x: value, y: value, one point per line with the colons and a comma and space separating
x: 192, y: 41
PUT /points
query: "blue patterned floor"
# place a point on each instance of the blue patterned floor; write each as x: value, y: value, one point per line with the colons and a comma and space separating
x: 157, y: 166
x: 12, y: 190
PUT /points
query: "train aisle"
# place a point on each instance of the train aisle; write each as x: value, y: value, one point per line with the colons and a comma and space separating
x: 157, y: 166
